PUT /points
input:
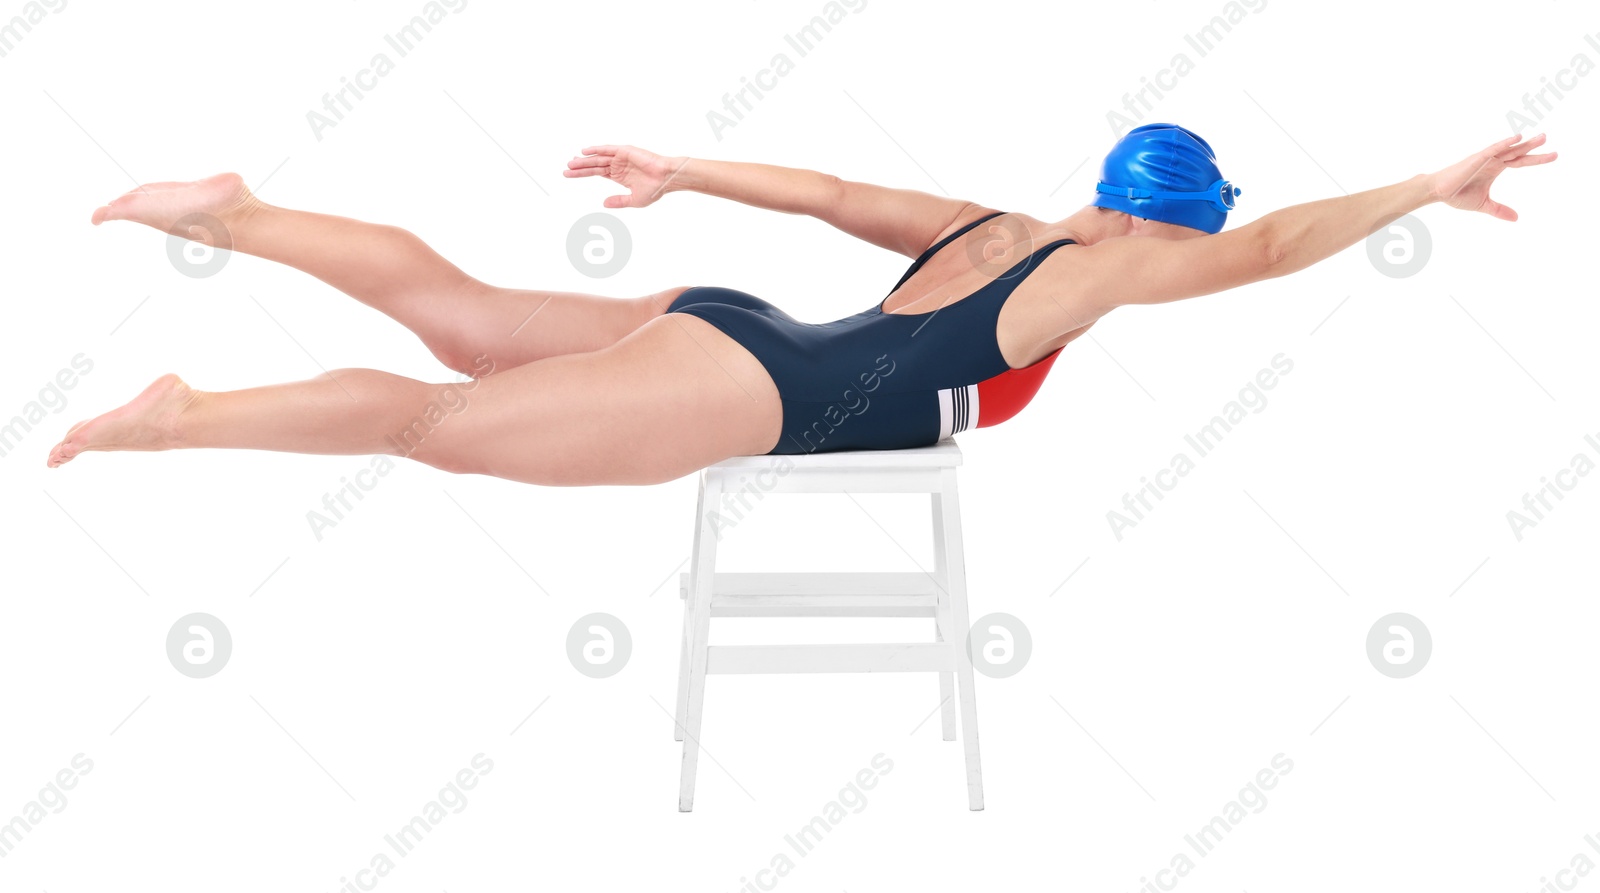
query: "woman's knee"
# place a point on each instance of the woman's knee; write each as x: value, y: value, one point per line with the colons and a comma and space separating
x: 453, y: 462
x: 409, y: 418
x: 463, y: 360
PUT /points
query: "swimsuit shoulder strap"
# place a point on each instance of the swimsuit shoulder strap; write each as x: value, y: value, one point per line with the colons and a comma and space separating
x: 991, y: 297
x: 923, y: 258
x: 1007, y: 282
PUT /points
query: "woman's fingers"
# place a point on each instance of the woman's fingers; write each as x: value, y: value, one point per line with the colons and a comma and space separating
x: 1498, y: 211
x: 1500, y: 147
x: 1526, y: 160
x: 1517, y: 155
x: 1520, y: 149
x: 592, y: 160
x: 588, y: 167
x: 1471, y: 179
x: 1493, y: 151
x: 625, y: 165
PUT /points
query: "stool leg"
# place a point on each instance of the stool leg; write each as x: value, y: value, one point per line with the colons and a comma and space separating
x: 688, y: 617
x: 701, y: 574
x: 941, y: 621
x: 950, y: 516
x: 947, y: 701
x: 682, y: 708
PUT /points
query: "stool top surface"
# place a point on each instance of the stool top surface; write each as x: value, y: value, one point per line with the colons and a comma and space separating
x: 944, y: 454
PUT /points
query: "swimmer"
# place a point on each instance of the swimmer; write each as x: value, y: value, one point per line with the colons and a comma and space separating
x: 568, y: 389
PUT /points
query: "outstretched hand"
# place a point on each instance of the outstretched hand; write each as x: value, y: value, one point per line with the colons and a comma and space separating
x: 1466, y: 183
x: 645, y: 174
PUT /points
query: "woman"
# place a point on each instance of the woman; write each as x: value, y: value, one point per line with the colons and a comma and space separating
x: 572, y: 389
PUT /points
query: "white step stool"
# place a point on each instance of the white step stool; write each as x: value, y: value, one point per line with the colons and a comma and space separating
x: 941, y: 594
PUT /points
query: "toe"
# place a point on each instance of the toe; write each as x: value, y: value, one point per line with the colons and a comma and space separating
x: 116, y: 210
x: 69, y: 447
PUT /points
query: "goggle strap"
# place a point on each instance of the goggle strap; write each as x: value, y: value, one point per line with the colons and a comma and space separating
x: 1214, y: 194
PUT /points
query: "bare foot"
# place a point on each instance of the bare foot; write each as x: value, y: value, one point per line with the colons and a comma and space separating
x: 163, y: 205
x: 148, y: 422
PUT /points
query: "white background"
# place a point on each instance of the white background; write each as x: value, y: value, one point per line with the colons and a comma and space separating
x: 1227, y: 627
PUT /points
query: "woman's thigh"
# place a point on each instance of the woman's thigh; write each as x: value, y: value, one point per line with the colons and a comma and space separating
x: 486, y: 329
x: 673, y: 396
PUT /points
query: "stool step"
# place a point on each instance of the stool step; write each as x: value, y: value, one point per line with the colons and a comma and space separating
x: 815, y: 583
x: 820, y: 594
x: 823, y: 606
x: 896, y: 658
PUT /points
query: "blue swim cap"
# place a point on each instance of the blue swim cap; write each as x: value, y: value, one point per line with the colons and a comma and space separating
x: 1168, y: 173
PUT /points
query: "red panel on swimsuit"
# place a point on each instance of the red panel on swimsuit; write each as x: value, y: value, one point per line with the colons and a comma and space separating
x: 1003, y: 396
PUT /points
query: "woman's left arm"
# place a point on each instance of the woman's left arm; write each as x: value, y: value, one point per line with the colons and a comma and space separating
x: 905, y: 221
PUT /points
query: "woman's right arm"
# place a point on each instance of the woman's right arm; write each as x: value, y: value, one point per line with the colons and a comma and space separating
x: 902, y: 220
x: 1135, y: 270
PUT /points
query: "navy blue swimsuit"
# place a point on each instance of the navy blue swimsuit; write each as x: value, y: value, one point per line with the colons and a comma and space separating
x: 883, y: 381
